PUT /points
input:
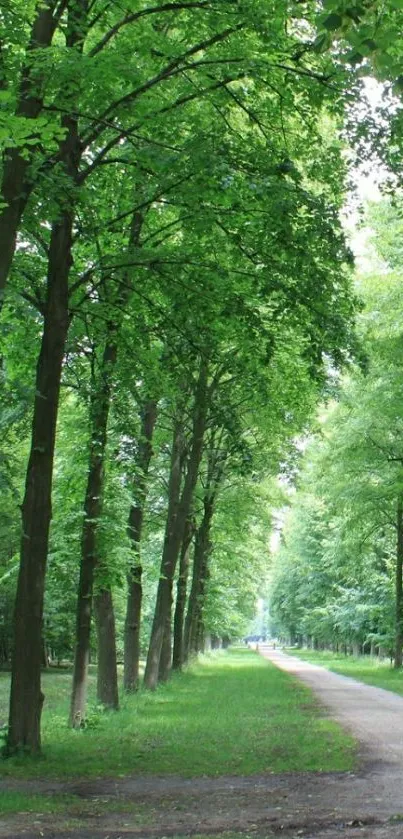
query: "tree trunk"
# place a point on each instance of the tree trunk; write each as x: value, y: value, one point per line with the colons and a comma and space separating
x: 135, y: 525
x: 194, y: 617
x: 16, y: 185
x: 168, y: 561
x: 99, y: 412
x: 194, y: 637
x: 45, y: 655
x: 132, y: 630
x: 107, y: 675
x: 178, y: 655
x: 200, y: 628
x: 399, y: 586
x: 165, y: 662
x: 26, y: 698
x: 175, y: 528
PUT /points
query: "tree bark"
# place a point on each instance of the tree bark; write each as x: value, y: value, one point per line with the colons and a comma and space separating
x: 165, y: 662
x: 194, y: 636
x: 194, y: 627
x: 399, y: 586
x: 99, y: 413
x: 168, y: 561
x: 93, y: 503
x: 178, y: 655
x: 134, y: 528
x: 107, y: 676
x: 16, y: 185
x: 132, y: 629
x: 26, y: 698
x: 200, y: 639
x: 45, y: 655
x: 176, y: 522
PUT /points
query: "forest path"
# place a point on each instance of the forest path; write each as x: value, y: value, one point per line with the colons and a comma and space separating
x: 367, y: 803
x: 374, y: 716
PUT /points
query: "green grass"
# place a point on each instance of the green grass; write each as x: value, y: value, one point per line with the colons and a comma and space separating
x: 70, y: 806
x: 17, y: 802
x: 372, y: 671
x: 229, y: 713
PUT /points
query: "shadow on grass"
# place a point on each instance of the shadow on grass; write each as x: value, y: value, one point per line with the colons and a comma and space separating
x: 229, y: 714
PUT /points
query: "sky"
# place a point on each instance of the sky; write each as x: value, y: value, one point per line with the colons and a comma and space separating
x: 367, y: 179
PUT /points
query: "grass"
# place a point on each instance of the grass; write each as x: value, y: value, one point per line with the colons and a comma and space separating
x: 372, y: 671
x: 17, y: 802
x: 70, y: 807
x: 229, y: 713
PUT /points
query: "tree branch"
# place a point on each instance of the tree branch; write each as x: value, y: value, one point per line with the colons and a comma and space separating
x: 172, y: 68
x: 166, y: 109
x: 130, y: 18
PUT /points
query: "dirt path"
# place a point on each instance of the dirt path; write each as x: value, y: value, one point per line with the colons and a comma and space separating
x: 366, y: 804
x: 373, y: 715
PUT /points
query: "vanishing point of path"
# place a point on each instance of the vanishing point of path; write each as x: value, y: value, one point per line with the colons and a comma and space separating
x: 366, y: 804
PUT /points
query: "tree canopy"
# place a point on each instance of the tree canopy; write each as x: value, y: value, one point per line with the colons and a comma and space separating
x: 344, y: 534
x: 176, y: 295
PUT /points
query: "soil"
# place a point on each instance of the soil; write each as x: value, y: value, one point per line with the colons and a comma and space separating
x: 367, y: 803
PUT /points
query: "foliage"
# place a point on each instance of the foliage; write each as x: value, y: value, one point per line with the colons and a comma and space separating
x: 200, y: 177
x: 334, y: 578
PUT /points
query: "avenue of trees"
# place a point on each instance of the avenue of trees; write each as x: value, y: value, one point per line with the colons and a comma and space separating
x: 175, y: 291
x: 337, y: 580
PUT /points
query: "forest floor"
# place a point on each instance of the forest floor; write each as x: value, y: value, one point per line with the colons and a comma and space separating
x: 366, y: 803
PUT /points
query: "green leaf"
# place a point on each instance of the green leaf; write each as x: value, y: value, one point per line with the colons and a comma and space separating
x: 332, y: 22
x: 322, y: 42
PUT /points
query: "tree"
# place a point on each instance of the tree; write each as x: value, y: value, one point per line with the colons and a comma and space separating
x: 26, y: 698
x: 28, y: 129
x: 135, y: 530
x: 105, y: 127
x: 179, y: 506
x: 341, y: 556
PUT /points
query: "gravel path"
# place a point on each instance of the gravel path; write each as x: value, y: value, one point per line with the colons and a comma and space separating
x: 373, y: 715
x: 375, y: 718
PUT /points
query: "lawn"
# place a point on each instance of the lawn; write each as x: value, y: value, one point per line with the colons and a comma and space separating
x: 229, y: 713
x: 372, y: 671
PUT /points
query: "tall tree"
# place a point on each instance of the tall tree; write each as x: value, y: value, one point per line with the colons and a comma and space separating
x: 26, y: 698
x: 135, y: 527
x: 178, y: 650
x: 179, y: 506
x: 102, y: 381
x: 341, y: 558
x: 231, y: 107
